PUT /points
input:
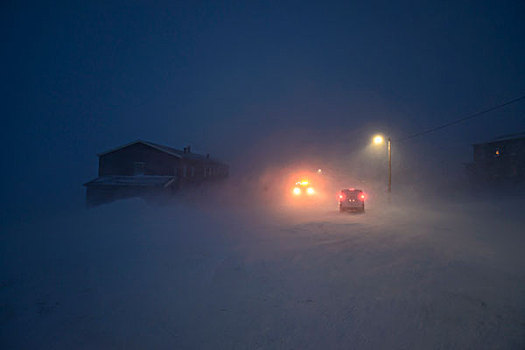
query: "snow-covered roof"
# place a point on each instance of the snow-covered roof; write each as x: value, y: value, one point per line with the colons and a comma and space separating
x: 133, y: 181
x: 166, y: 149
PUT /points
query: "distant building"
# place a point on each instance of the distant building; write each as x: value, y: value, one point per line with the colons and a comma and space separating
x: 141, y: 169
x: 499, y: 162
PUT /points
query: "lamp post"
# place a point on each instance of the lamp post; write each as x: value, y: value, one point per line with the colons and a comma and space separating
x: 389, y: 165
x: 379, y: 139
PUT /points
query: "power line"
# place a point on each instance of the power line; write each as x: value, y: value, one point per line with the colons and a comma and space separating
x: 472, y: 116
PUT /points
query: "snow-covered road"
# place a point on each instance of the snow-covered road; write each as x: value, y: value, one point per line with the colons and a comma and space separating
x: 136, y: 276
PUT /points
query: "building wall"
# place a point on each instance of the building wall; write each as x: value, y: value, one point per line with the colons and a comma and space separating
x: 141, y: 159
x: 499, y: 162
x: 198, y: 171
x: 138, y: 159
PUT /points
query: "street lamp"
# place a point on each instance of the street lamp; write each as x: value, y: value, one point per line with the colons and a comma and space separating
x: 378, y: 140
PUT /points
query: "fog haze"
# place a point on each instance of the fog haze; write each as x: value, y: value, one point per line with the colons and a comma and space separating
x: 233, y: 79
x: 277, y: 90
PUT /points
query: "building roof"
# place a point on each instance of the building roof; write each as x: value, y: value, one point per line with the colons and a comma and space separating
x: 504, y: 138
x: 517, y: 135
x: 166, y: 149
x: 132, y: 181
x: 176, y: 152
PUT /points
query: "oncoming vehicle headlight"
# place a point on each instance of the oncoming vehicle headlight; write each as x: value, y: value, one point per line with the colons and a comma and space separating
x: 310, y: 190
x: 297, y: 191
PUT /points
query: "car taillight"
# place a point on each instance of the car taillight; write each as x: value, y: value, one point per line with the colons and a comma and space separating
x: 341, y: 196
x: 310, y: 190
x: 362, y: 197
x: 297, y: 191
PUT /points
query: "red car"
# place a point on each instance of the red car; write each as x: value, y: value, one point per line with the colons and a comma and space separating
x: 351, y: 199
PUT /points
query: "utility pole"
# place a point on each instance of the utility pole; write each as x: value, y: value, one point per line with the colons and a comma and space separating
x: 389, y: 165
x: 380, y: 140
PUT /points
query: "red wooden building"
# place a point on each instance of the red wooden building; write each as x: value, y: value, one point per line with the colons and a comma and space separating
x: 143, y: 168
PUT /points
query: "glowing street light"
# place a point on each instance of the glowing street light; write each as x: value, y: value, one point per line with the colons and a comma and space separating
x: 378, y: 140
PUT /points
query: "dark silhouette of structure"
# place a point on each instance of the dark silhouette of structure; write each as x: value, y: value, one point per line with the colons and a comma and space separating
x: 142, y: 169
x: 499, y: 163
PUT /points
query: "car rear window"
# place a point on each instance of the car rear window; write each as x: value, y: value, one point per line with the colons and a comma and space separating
x: 352, y: 194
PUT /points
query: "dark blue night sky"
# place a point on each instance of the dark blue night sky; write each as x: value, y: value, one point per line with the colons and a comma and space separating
x: 229, y: 77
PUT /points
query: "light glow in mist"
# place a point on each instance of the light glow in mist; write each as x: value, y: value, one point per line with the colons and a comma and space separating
x: 378, y: 139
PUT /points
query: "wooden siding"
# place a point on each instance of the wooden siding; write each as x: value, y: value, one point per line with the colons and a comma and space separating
x: 124, y: 161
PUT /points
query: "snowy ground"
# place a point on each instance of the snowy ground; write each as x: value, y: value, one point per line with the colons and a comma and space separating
x: 131, y: 275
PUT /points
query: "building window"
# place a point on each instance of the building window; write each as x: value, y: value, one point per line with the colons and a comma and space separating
x: 184, y: 171
x: 192, y: 171
x: 138, y: 168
